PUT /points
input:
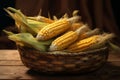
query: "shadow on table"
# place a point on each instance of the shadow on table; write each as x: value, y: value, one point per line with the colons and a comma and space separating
x: 108, y: 72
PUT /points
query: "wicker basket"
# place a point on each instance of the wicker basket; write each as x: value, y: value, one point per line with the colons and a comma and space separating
x: 62, y: 62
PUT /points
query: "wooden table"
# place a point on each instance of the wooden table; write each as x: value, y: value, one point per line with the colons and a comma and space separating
x: 12, y: 68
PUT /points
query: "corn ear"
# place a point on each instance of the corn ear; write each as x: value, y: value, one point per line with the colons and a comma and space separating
x: 90, y: 43
x: 54, y: 29
x: 82, y: 45
x: 26, y: 39
x: 63, y: 41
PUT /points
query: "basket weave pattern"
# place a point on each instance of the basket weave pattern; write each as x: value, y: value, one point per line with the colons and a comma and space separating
x: 51, y: 62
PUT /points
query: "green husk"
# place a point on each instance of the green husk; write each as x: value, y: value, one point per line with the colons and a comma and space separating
x: 36, y: 26
x: 26, y: 39
x: 18, y: 12
x: 24, y: 24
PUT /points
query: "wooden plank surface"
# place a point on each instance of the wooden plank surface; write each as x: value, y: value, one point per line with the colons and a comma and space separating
x: 11, y: 67
x: 9, y: 55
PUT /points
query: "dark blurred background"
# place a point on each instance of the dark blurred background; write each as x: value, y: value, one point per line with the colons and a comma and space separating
x: 103, y: 14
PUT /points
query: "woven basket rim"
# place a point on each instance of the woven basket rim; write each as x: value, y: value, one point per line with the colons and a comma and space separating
x: 63, y: 53
x: 79, y: 53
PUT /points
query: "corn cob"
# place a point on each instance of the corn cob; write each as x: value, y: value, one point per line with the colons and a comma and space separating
x: 89, y: 43
x: 96, y: 31
x: 63, y: 41
x: 66, y: 39
x: 55, y: 29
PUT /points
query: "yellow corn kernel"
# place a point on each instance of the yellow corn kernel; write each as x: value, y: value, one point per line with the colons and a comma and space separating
x: 83, y: 44
x: 56, y: 28
x: 53, y: 30
x: 63, y: 41
x: 90, y: 43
